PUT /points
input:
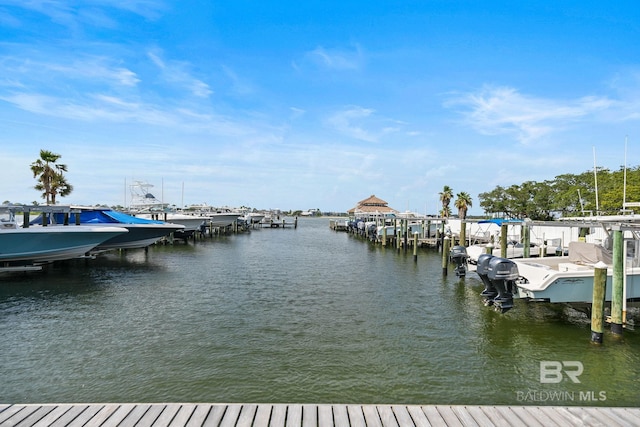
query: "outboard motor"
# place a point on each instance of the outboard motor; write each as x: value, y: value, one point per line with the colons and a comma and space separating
x: 459, y: 257
x: 503, y: 273
x: 482, y: 268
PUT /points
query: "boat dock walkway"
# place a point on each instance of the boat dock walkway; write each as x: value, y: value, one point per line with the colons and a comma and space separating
x: 183, y: 415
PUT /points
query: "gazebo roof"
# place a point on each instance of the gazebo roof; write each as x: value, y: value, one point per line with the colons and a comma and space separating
x: 372, y: 204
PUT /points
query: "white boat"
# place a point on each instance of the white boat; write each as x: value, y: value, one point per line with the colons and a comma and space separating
x: 566, y: 279
x: 189, y: 223
x: 215, y: 217
x: 38, y: 244
x: 569, y: 279
x: 222, y: 219
x: 253, y: 217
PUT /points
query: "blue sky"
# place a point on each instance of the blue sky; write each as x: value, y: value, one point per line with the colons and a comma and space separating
x: 314, y: 104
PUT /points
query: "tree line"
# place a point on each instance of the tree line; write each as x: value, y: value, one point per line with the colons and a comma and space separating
x: 566, y: 195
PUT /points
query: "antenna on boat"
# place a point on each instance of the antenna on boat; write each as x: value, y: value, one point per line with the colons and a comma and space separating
x: 595, y: 177
x: 624, y: 185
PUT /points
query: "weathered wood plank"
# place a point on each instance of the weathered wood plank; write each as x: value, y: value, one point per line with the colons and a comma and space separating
x: 449, y: 417
x: 325, y: 416
x: 632, y: 418
x: 479, y: 416
x: 575, y: 419
x: 294, y: 416
x: 78, y: 416
x: 15, y: 413
x: 247, y: 413
x: 134, y: 416
x: 402, y: 415
x: 104, y: 413
x: 371, y: 416
x: 13, y: 416
x: 309, y: 415
x: 340, y: 415
x: 198, y: 416
x: 433, y: 415
x: 503, y: 416
x: 152, y: 415
x: 167, y: 415
x: 554, y: 416
x: 215, y: 416
x: 418, y: 416
x: 387, y: 417
x: 538, y: 414
x: 118, y: 415
x: 602, y: 418
x: 182, y: 417
x: 356, y: 416
x: 278, y: 415
x: 525, y: 416
x: 263, y: 416
x: 57, y: 412
x: 465, y: 418
x: 37, y: 415
x: 231, y: 416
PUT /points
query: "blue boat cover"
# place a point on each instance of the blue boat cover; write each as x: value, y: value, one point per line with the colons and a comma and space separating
x: 100, y: 216
x: 500, y: 221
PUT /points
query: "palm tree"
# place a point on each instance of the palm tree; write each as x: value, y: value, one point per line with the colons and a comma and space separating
x: 463, y: 203
x: 51, y: 180
x: 445, y: 197
x: 59, y: 187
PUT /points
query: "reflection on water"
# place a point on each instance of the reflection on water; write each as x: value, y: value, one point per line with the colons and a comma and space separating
x: 305, y: 315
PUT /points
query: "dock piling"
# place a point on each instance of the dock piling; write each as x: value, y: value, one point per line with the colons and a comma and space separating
x: 445, y: 255
x: 597, y: 305
x: 617, y: 282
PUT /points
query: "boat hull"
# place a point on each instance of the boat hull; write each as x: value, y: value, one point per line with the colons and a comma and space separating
x: 53, y: 243
x: 139, y: 235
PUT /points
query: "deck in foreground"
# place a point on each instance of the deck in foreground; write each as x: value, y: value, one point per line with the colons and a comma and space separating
x: 157, y: 415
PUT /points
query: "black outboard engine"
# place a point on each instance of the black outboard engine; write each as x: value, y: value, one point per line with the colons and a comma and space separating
x: 482, y: 268
x: 459, y: 257
x: 503, y: 273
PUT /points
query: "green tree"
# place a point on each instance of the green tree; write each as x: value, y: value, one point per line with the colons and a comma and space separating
x: 51, y: 180
x: 566, y: 195
x: 463, y: 203
x: 445, y: 197
x: 59, y: 187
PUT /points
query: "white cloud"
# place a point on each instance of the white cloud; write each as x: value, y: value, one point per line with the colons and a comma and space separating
x: 363, y: 124
x: 177, y: 73
x: 504, y: 110
x: 337, y: 59
x: 94, y: 13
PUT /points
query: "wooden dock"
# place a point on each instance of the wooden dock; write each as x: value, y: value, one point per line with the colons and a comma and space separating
x: 183, y: 415
x: 279, y: 224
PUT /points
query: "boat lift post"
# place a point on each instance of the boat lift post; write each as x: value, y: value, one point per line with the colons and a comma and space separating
x: 597, y: 304
x: 617, y: 281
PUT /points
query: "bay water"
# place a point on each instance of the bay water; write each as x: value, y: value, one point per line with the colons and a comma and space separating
x: 305, y: 315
